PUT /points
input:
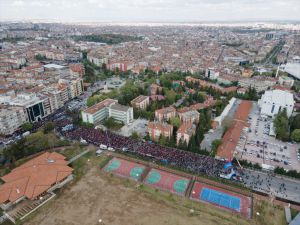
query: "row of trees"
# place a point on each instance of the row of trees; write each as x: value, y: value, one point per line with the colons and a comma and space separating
x: 287, y: 129
x: 251, y: 94
x: 36, y: 142
x: 290, y: 173
x: 107, y: 38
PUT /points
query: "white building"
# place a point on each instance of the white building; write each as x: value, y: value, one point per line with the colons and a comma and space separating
x: 121, y: 113
x: 286, y: 81
x: 292, y: 68
x: 274, y: 101
x: 211, y: 73
x: 33, y: 104
x: 107, y: 108
x: 11, y: 118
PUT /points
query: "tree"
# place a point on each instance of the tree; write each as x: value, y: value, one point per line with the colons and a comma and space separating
x: 214, y: 146
x: 281, y: 123
x: 135, y: 135
x: 193, y: 147
x: 27, y: 126
x: 296, y: 135
x: 40, y: 57
x: 86, y: 124
x: 199, y: 97
x: 170, y: 96
x: 95, y: 99
x: 112, y: 123
x: 128, y: 92
x: 175, y: 121
x: 48, y: 127
x: 295, y: 122
x: 163, y: 140
x: 227, y: 123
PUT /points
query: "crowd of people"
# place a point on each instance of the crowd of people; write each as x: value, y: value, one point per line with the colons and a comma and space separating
x: 186, y: 160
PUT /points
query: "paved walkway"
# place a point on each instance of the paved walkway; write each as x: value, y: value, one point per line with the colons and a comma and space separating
x: 78, y: 156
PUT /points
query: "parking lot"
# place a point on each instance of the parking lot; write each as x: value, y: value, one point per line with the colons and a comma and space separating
x: 138, y: 125
x: 257, y: 146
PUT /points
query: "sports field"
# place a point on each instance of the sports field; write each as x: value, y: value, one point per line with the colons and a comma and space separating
x: 125, y: 168
x: 167, y: 181
x: 225, y: 199
x: 96, y: 196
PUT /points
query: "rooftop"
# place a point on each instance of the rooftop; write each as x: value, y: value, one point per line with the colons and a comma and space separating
x: 232, y: 135
x: 187, y: 128
x: 139, y: 99
x: 160, y: 126
x: 34, y: 177
x: 119, y: 107
x: 95, y: 108
x: 169, y: 109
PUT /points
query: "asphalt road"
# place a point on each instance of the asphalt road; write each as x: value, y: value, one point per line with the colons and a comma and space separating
x: 282, y: 187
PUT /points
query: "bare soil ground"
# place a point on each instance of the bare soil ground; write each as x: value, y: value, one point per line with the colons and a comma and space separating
x: 117, y: 201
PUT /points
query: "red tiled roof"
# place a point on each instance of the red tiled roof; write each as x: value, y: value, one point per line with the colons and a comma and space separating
x: 232, y: 135
x: 34, y: 177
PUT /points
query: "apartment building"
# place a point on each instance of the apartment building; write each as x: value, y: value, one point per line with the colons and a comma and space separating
x: 165, y: 114
x: 155, y: 89
x: 141, y: 102
x: 187, y: 115
x: 259, y: 83
x: 158, y: 129
x: 75, y: 86
x: 120, y: 66
x: 11, y: 118
x: 77, y: 69
x: 57, y: 98
x: 185, y: 132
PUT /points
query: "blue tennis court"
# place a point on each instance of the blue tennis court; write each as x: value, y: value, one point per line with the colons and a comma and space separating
x: 221, y: 199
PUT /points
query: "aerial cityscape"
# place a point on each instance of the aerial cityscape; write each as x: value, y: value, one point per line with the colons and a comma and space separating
x: 150, y: 112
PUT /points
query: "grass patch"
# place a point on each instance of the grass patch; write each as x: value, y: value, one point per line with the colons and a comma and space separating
x: 72, y: 151
x: 269, y: 214
x: 80, y: 166
x: 294, y: 213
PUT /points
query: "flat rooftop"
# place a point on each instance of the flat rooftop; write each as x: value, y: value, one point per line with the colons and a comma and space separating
x: 95, y: 108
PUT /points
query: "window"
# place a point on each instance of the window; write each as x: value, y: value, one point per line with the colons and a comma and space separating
x: 273, y: 107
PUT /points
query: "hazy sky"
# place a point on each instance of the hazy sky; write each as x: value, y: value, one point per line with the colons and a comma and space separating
x: 149, y: 10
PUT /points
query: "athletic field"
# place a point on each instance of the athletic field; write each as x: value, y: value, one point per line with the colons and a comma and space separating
x: 225, y: 199
x: 125, y: 168
x: 167, y: 181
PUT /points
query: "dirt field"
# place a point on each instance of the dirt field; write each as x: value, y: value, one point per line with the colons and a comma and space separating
x: 117, y: 201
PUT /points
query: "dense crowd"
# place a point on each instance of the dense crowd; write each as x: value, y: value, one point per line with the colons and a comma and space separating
x: 175, y: 157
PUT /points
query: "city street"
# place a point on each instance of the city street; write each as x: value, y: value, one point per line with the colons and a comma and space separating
x: 282, y: 187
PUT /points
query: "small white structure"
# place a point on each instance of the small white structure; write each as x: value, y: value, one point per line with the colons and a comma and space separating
x: 275, y: 101
x: 211, y: 73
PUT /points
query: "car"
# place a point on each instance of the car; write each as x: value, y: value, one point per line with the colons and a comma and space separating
x: 103, y: 147
x: 111, y: 149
